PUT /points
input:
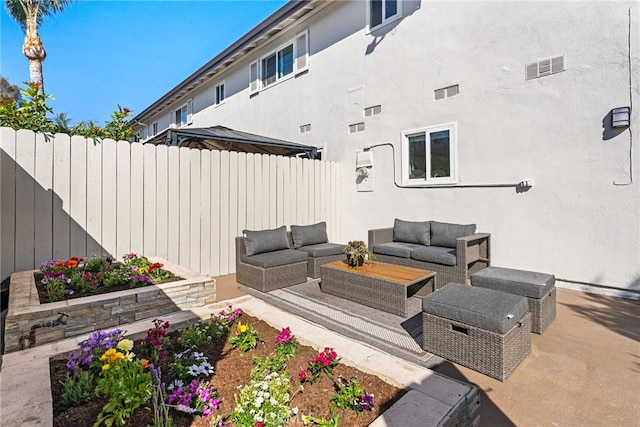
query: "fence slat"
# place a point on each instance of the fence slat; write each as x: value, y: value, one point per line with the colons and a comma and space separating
x: 149, y: 218
x: 185, y: 207
x: 109, y: 199
x: 194, y: 202
x: 8, y: 140
x: 61, y: 196
x: 225, y: 256
x: 232, y: 230
x: 216, y: 223
x: 162, y: 202
x: 173, y: 224
x: 78, y: 197
x: 43, y: 245
x: 136, y: 188
x: 251, y: 192
x: 94, y: 198
x: 205, y: 212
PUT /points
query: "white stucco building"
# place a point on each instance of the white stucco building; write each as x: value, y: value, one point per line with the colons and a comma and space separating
x: 497, y: 113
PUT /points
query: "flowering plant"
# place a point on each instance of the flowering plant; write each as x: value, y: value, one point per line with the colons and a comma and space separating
x: 322, y: 363
x: 124, y: 382
x: 87, y: 357
x: 195, y: 397
x: 156, y: 341
x: 351, y: 396
x: 286, y: 344
x: 246, y: 337
x: 191, y: 364
x: 265, y: 401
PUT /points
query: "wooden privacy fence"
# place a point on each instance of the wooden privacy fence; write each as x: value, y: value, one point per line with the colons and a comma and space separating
x: 65, y: 196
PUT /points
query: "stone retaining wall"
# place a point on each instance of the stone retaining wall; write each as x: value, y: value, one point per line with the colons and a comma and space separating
x: 88, y: 314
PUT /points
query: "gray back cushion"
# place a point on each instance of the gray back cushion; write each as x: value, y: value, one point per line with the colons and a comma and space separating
x: 445, y: 234
x: 305, y: 235
x: 412, y: 232
x: 262, y: 241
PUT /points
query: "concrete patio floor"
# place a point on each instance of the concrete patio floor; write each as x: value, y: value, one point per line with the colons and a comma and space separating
x: 584, y: 370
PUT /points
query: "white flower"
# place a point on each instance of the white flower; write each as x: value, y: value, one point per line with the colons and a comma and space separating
x: 259, y: 401
x: 295, y: 410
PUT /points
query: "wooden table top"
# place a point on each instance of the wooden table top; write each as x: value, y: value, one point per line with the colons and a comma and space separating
x: 383, y: 270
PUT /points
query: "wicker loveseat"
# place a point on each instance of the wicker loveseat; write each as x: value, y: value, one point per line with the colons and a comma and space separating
x: 453, y: 251
x: 273, y: 259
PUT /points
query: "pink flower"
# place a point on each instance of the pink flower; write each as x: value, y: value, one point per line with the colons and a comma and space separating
x: 302, y: 374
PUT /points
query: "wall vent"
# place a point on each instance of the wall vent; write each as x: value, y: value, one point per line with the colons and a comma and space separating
x: 356, y: 127
x: 305, y: 128
x: 545, y: 67
x: 372, y: 111
x: 446, y: 92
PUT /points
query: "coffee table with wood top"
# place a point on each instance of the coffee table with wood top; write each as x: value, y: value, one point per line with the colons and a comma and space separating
x: 379, y: 285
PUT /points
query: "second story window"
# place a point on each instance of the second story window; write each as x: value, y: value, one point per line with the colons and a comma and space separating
x: 381, y: 12
x: 277, y: 65
x: 288, y: 60
x: 184, y: 115
x: 220, y: 93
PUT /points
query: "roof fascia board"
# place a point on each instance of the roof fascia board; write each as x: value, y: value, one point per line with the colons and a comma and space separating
x: 258, y: 31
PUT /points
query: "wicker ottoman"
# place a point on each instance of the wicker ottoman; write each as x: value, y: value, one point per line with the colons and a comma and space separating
x: 485, y: 330
x: 539, y: 288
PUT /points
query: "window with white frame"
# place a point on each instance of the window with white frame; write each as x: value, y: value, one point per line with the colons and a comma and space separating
x: 286, y: 61
x: 428, y: 155
x: 220, y: 93
x: 154, y: 129
x: 184, y: 115
x: 380, y: 12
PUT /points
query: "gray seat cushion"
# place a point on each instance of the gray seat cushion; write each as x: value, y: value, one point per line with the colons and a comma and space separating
x: 257, y: 242
x: 480, y: 307
x: 445, y: 234
x: 305, y: 235
x: 399, y: 249
x: 412, y: 232
x: 435, y: 254
x: 520, y: 282
x: 323, y: 249
x: 276, y: 258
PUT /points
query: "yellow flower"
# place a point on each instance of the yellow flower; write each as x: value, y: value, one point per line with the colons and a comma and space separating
x: 108, y: 354
x: 129, y: 356
x: 242, y: 328
x: 106, y: 367
x: 125, y: 345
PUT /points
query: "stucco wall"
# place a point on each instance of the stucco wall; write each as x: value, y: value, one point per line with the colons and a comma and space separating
x: 579, y: 221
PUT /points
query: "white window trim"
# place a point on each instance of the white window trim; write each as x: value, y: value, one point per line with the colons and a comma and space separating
x: 398, y: 15
x: 222, y: 83
x: 154, y: 128
x: 453, y: 159
x: 189, y: 107
x: 300, y: 64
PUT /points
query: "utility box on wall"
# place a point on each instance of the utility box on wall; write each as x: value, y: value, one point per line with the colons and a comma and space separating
x: 364, y: 170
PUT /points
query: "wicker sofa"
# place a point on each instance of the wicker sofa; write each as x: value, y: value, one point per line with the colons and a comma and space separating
x: 453, y: 251
x: 275, y: 258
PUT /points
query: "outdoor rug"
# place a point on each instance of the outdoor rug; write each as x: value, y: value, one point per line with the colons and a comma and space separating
x: 398, y: 336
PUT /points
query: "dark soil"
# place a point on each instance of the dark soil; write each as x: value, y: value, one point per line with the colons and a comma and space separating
x: 44, y: 297
x: 232, y: 369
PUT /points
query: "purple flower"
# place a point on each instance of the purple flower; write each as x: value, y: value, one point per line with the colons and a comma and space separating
x: 365, y: 402
x: 71, y: 365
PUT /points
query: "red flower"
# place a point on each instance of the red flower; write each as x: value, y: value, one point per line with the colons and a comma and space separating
x: 258, y: 424
x: 303, y: 375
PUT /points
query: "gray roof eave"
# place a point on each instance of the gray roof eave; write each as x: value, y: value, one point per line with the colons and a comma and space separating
x: 288, y: 9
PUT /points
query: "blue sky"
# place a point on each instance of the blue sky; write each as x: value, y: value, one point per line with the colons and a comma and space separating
x: 104, y: 53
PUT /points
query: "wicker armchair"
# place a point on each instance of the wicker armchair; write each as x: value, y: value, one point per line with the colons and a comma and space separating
x: 473, y: 253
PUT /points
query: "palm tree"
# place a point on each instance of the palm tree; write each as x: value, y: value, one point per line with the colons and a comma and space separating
x: 30, y: 14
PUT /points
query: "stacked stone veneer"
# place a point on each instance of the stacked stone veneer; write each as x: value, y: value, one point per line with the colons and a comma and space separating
x: 98, y: 312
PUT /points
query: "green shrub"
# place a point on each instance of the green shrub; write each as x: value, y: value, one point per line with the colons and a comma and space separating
x: 78, y: 388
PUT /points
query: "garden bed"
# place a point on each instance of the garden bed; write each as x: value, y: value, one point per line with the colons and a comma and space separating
x: 27, y: 319
x: 232, y: 370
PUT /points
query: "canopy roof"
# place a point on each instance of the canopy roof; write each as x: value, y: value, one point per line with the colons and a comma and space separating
x: 225, y: 139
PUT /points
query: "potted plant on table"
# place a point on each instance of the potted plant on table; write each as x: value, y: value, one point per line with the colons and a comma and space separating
x: 357, y: 251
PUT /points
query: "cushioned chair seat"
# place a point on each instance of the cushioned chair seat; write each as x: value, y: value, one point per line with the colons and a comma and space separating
x: 399, y: 249
x: 437, y: 254
x: 276, y: 258
x: 480, y: 307
x: 323, y: 249
x: 526, y: 283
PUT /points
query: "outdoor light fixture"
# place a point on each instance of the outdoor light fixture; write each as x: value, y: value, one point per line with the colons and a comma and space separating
x: 620, y: 117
